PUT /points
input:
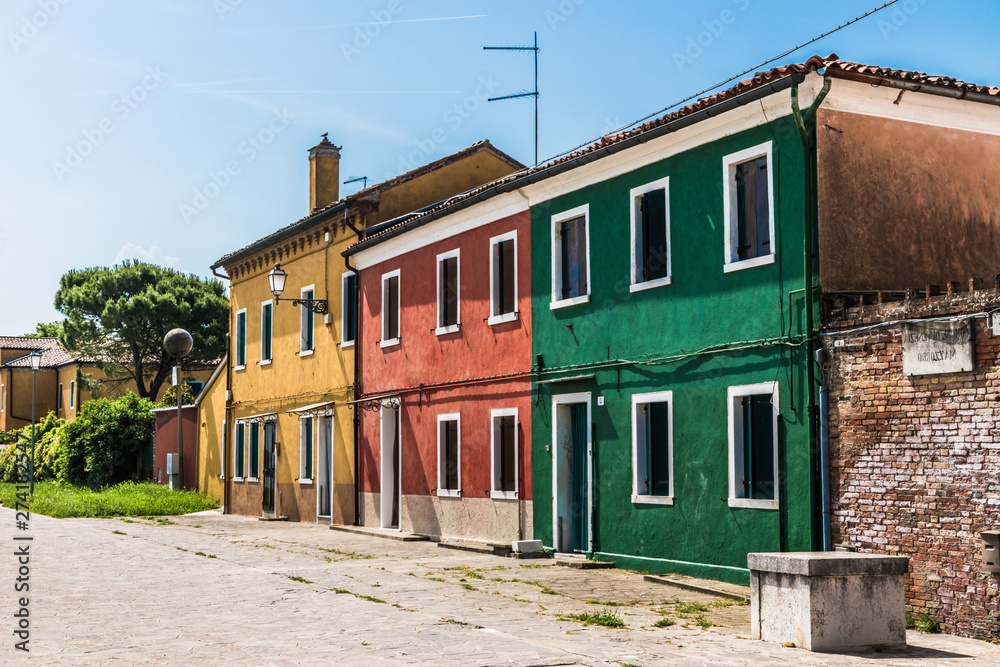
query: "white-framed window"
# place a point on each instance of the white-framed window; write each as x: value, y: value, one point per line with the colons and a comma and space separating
x: 348, y: 308
x: 72, y: 394
x: 449, y: 450
x: 253, y: 451
x: 748, y: 205
x: 571, y: 257
x: 653, y: 448
x: 448, y: 305
x: 223, y: 444
x: 504, y: 454
x: 503, y: 278
x: 266, y: 330
x: 307, y: 321
x: 753, y: 445
x: 239, y: 450
x: 307, y: 442
x: 240, y: 345
x: 390, y: 309
x: 59, y: 398
x: 650, y: 234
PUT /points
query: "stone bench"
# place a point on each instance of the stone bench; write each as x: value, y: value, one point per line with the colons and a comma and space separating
x: 828, y: 601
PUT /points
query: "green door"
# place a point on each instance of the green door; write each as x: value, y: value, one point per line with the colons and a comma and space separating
x: 269, y: 465
x: 578, y: 435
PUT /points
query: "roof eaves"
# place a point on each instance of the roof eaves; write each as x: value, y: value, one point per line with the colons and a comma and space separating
x: 593, y: 152
x: 367, y: 194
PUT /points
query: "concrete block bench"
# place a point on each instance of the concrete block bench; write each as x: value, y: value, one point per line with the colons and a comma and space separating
x: 828, y: 601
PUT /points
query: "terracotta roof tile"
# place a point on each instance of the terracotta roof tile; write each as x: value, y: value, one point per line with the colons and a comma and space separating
x: 373, y: 192
x: 831, y: 64
x: 53, y: 355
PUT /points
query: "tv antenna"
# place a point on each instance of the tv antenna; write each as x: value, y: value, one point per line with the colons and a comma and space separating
x: 355, y: 179
x: 523, y: 93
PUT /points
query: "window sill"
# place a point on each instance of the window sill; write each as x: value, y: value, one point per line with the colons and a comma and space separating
x: 501, y: 319
x: 503, y: 495
x: 265, y: 362
x: 575, y: 301
x: 222, y: 476
x: 252, y: 479
x: 649, y: 284
x: 450, y: 329
x: 652, y: 500
x: 306, y: 353
x: 449, y: 493
x: 237, y: 479
x: 239, y: 368
x: 753, y: 503
x: 388, y: 343
x: 304, y: 480
x: 346, y: 343
x: 748, y: 263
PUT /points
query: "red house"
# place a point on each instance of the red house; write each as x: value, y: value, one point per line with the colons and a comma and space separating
x: 445, y: 372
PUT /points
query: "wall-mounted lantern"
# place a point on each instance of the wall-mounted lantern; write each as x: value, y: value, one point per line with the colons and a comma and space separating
x: 277, y: 278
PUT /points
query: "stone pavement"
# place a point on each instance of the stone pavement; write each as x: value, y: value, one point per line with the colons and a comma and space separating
x: 209, y: 588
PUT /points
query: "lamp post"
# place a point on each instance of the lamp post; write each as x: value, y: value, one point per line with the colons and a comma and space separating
x: 36, y: 361
x: 277, y: 277
x: 178, y: 344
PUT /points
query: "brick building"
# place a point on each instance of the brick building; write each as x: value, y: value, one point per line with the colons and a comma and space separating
x: 915, y: 459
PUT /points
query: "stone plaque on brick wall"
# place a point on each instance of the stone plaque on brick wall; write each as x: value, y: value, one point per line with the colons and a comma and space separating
x: 937, y: 347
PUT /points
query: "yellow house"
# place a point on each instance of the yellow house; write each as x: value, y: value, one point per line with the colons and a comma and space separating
x: 57, y: 382
x: 284, y: 445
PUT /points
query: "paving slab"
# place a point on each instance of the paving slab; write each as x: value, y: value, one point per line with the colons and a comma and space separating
x: 222, y: 589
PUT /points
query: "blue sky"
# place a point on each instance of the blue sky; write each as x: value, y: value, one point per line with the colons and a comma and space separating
x: 176, y: 130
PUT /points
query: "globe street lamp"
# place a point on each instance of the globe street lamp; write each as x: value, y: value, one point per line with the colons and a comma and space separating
x: 178, y: 343
x: 36, y: 361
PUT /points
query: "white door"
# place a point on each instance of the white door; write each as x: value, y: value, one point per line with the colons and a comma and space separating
x: 390, y: 470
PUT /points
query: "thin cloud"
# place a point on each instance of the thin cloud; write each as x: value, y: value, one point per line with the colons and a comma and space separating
x: 337, y: 92
x: 438, y: 18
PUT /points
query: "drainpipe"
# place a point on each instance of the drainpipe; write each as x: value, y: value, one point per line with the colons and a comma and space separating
x: 228, y: 410
x: 824, y: 456
x: 357, y: 370
x: 805, y: 122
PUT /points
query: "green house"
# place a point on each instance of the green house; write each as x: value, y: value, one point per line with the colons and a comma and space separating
x: 673, y: 427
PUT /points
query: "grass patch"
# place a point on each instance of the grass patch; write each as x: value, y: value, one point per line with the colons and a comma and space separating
x: 691, y: 607
x: 926, y: 623
x: 664, y: 622
x: 301, y: 580
x: 437, y: 579
x: 609, y: 619
x: 611, y: 603
x: 63, y: 501
x: 118, y: 532
x: 702, y: 622
x: 726, y: 602
x: 371, y: 598
x: 469, y: 587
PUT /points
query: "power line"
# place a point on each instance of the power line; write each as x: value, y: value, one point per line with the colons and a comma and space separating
x: 733, y: 78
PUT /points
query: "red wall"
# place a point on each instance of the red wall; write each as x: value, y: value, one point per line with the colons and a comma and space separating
x: 166, y: 443
x: 477, y: 352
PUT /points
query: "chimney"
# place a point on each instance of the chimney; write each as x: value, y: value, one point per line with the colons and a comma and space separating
x: 324, y: 174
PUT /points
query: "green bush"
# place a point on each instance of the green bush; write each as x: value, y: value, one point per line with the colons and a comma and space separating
x: 47, y: 431
x: 103, y: 445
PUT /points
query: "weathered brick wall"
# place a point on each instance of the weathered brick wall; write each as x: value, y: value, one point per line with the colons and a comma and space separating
x: 916, y: 460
